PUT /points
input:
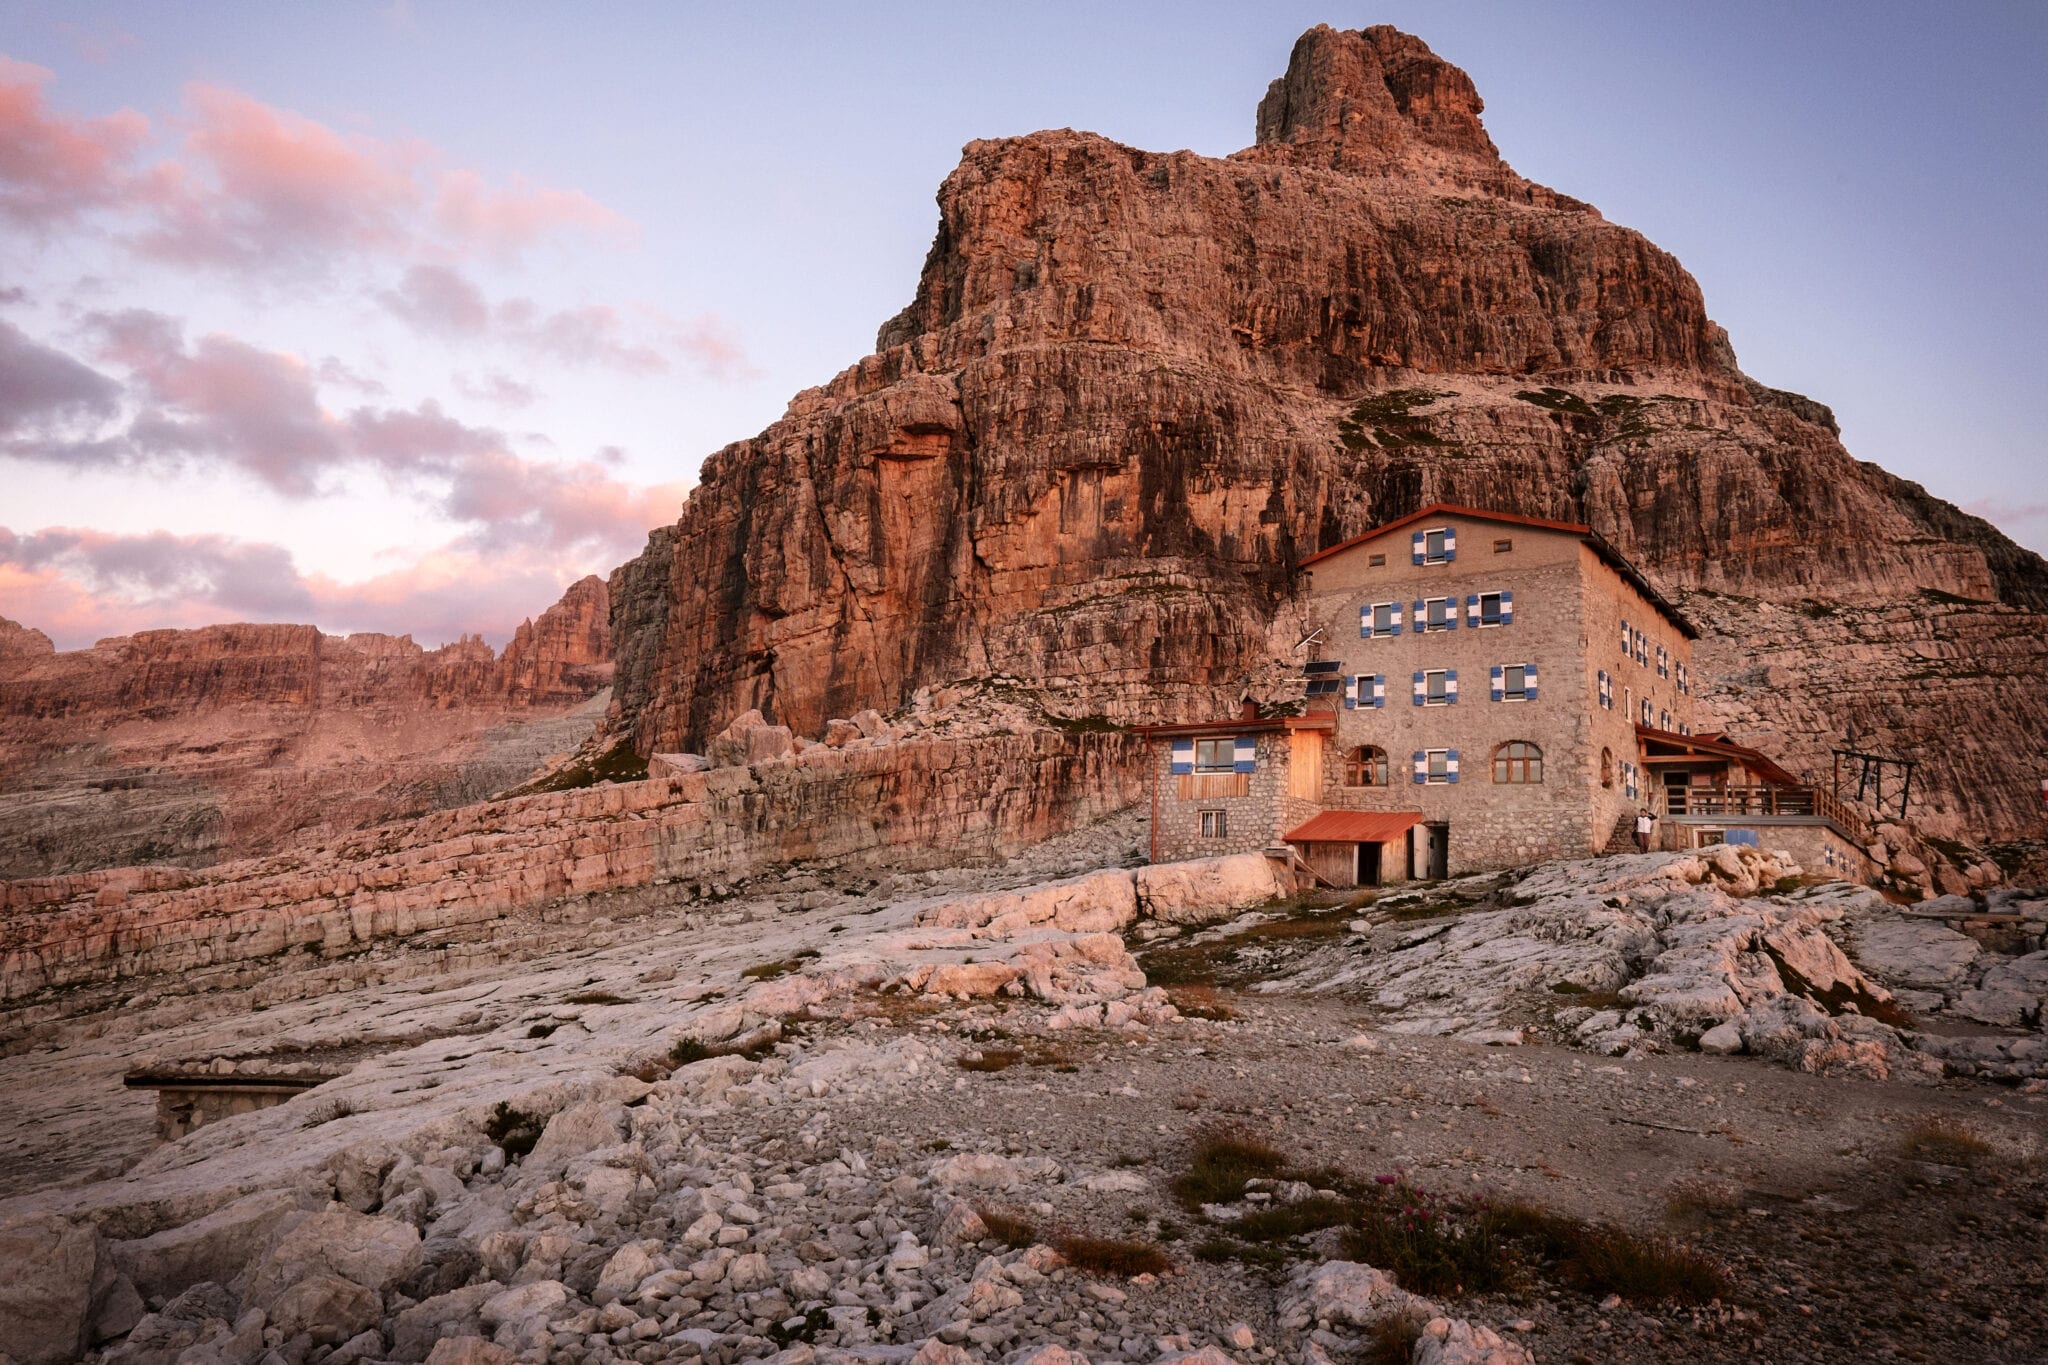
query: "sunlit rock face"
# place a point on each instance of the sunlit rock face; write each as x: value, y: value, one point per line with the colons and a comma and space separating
x: 1134, y: 388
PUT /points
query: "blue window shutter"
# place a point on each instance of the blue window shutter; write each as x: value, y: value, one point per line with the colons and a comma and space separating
x: 1451, y: 613
x: 1419, y: 547
x: 1395, y: 629
x: 1421, y: 617
x: 1472, y: 609
x: 1379, y: 690
x: 1450, y: 687
x: 1421, y: 766
x: 1450, y: 546
x: 1529, y: 681
x: 1247, y: 754
x: 1628, y: 641
x: 1365, y: 622
x: 1451, y: 766
x: 1499, y: 683
x: 1420, y: 687
x: 1183, y: 756
x: 1507, y: 608
x: 1351, y: 694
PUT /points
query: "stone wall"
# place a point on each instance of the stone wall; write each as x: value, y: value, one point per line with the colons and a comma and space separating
x: 1253, y: 820
x: 919, y: 802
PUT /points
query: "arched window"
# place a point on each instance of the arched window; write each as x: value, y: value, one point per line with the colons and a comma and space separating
x: 1518, y: 761
x: 1606, y: 768
x: 1365, y: 766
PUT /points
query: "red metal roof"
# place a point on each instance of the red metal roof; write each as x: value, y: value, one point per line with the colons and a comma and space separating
x: 1354, y: 827
x: 1614, y: 558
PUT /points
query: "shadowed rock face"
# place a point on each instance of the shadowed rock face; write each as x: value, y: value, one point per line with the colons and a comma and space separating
x: 1134, y: 388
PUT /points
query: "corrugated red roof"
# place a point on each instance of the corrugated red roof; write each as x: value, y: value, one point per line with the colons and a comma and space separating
x: 1354, y: 827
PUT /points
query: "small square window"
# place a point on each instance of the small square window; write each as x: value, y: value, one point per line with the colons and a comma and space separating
x: 1375, y: 561
x: 1383, y: 618
x: 1437, y: 614
x: 1514, y: 681
x: 1502, y: 546
x: 1215, y: 824
x: 1435, y: 546
x: 1436, y: 687
x: 1215, y: 755
x: 1489, y: 609
x: 1439, y: 765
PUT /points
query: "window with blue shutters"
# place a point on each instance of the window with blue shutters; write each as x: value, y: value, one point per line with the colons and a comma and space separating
x: 1663, y: 720
x: 1642, y: 649
x: 1684, y: 681
x: 1514, y: 682
x: 1489, y: 609
x: 1183, y: 756
x: 1215, y: 755
x: 1436, y: 546
x: 1372, y: 690
x: 1628, y: 778
x: 1439, y: 686
x: 1246, y: 759
x: 1437, y: 765
x: 1436, y: 613
x: 1379, y: 618
x: 1606, y: 690
x: 1646, y: 710
x: 1628, y: 641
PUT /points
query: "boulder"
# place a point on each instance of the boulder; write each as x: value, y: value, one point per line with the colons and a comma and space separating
x: 373, y: 1252
x: 578, y: 1129
x: 1914, y: 952
x: 749, y: 740
x: 1206, y: 890
x: 46, y: 1291
x: 327, y: 1308
x: 1345, y: 1294
x: 217, y: 1247
x: 415, y: 1330
x: 1454, y: 1341
x: 469, y: 1351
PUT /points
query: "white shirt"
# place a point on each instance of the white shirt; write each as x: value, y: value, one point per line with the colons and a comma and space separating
x: 1642, y: 824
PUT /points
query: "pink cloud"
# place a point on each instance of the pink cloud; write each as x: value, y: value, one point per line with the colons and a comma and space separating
x: 2000, y: 512
x: 505, y: 222
x: 54, y: 168
x: 79, y: 586
x: 438, y: 299
x: 497, y: 388
x: 257, y: 189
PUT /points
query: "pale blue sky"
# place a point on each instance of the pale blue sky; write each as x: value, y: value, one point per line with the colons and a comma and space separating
x: 1859, y: 188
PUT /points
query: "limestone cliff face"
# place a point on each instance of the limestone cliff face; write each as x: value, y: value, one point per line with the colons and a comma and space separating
x: 1134, y: 388
x: 186, y: 745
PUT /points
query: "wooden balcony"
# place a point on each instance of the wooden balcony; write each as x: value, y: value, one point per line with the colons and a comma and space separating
x: 1211, y: 786
x: 1736, y: 803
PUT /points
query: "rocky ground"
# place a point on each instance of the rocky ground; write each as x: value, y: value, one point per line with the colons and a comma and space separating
x: 1070, y: 1106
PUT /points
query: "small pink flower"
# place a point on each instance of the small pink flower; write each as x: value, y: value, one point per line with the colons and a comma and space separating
x: 1387, y: 1179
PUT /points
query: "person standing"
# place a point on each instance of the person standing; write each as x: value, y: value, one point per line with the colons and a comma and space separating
x: 1643, y: 819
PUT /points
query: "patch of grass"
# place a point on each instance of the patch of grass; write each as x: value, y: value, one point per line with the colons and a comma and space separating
x: 1201, y: 1002
x: 1008, y: 1226
x: 616, y: 764
x: 541, y: 1030
x: 1642, y: 1269
x: 1580, y: 995
x: 1224, y: 1158
x: 1946, y: 1141
x: 1113, y: 1256
x: 1431, y: 1246
x: 1785, y: 886
x: 1283, y: 1221
x: 1085, y: 725
x: 1218, y: 1250
x: 1392, y: 423
x: 685, y: 1050
x: 1392, y: 1339
x: 513, y: 1129
x: 595, y: 998
x: 1557, y: 400
x: 991, y: 1059
x: 1701, y: 1198
x: 768, y: 971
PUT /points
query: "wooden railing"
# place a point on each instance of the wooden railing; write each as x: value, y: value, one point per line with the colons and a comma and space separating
x: 1742, y: 801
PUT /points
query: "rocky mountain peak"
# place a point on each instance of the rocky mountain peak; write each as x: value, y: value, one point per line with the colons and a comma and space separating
x: 1377, y: 101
